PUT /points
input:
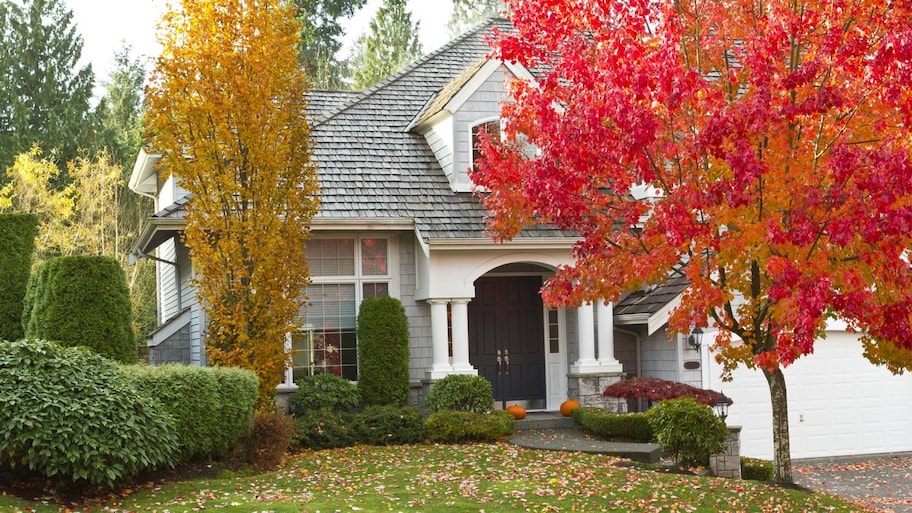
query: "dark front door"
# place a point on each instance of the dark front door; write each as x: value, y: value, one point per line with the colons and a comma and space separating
x: 506, y: 338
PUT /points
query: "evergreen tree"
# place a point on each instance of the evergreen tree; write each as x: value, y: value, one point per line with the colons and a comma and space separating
x: 391, y: 44
x: 119, y: 120
x: 44, y: 97
x: 468, y: 13
x: 320, y: 40
x: 119, y: 113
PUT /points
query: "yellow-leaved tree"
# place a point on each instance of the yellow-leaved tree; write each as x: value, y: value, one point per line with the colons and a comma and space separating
x: 225, y: 108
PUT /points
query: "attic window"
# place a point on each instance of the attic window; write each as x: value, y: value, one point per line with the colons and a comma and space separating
x: 492, y: 128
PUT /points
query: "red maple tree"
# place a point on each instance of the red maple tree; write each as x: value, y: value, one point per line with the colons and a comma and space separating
x: 759, y: 148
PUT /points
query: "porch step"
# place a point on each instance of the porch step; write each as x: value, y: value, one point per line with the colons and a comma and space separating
x: 545, y: 420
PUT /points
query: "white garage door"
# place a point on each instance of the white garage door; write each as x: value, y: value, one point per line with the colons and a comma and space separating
x: 839, y: 404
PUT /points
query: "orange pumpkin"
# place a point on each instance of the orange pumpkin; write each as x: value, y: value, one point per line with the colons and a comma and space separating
x: 517, y: 411
x: 568, y: 406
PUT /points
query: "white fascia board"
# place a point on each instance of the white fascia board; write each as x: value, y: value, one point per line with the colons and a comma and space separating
x: 322, y: 224
x: 486, y: 243
x: 660, y: 318
x: 631, y: 319
x: 144, y: 178
x: 482, y: 76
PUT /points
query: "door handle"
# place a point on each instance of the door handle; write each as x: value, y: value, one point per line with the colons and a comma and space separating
x: 507, y: 361
x: 499, y: 362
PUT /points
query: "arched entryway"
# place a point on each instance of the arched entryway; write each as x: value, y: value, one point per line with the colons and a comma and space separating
x: 507, y: 334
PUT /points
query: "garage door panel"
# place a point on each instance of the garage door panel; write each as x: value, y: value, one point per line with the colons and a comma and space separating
x: 839, y: 404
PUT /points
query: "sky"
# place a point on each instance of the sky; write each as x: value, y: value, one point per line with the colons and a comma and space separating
x: 106, y: 25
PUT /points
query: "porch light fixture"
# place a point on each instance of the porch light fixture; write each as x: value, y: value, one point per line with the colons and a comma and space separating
x: 722, y: 406
x: 695, y: 339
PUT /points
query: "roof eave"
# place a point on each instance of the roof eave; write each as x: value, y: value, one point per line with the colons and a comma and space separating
x: 144, y: 178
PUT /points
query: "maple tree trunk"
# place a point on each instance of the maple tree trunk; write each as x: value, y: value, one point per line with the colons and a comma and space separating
x: 782, y: 455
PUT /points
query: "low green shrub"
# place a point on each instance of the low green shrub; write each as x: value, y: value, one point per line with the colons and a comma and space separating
x: 68, y: 413
x: 324, y: 429
x: 213, y: 406
x: 321, y: 391
x: 448, y: 426
x: 756, y: 469
x: 389, y: 425
x: 268, y: 440
x: 633, y: 427
x: 687, y: 430
x: 238, y: 394
x: 460, y: 392
x: 383, y: 352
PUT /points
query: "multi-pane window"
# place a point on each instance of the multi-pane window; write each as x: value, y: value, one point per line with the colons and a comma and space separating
x: 492, y: 128
x: 553, y: 331
x: 343, y: 272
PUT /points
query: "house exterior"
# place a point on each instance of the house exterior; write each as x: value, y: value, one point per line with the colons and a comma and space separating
x: 398, y: 217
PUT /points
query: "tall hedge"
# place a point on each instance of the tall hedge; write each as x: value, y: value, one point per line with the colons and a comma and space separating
x: 383, y: 353
x: 17, y: 245
x: 213, y: 406
x: 81, y: 301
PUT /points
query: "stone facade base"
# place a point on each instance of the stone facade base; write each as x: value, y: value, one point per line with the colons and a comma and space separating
x: 728, y: 462
x: 176, y: 349
x: 587, y: 389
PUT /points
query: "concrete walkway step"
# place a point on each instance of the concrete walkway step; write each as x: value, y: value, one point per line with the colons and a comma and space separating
x: 545, y: 420
x: 574, y: 440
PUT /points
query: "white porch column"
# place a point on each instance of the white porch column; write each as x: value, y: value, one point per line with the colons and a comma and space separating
x: 586, y: 328
x: 440, y: 354
x: 459, y: 308
x: 605, y: 317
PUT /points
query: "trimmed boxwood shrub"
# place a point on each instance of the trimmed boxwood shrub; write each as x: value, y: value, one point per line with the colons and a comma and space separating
x: 17, y: 245
x: 460, y: 392
x: 82, y: 301
x: 323, y: 391
x: 450, y: 426
x: 212, y: 406
x: 632, y: 427
x: 389, y: 425
x: 756, y: 469
x: 687, y: 430
x: 383, y: 352
x: 324, y: 429
x: 70, y: 414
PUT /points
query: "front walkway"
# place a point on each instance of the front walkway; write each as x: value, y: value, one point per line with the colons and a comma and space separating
x: 880, y: 481
x: 574, y: 440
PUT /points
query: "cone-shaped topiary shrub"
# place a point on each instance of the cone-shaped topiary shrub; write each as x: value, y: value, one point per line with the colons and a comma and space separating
x: 81, y: 301
x: 383, y: 353
x: 17, y: 245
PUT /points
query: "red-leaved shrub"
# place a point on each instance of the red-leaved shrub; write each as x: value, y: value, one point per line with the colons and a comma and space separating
x: 655, y: 389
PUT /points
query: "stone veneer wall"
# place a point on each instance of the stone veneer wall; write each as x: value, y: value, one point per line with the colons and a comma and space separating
x: 175, y: 349
x: 728, y: 462
x: 587, y: 389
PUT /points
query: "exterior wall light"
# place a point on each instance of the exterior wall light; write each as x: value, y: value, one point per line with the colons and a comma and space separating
x: 695, y: 339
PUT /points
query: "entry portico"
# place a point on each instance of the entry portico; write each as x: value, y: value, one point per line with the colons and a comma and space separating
x: 485, y: 320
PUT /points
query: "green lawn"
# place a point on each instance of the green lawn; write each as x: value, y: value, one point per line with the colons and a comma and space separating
x: 438, y: 478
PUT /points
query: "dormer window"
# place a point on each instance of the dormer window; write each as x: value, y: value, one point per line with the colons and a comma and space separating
x: 492, y: 128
